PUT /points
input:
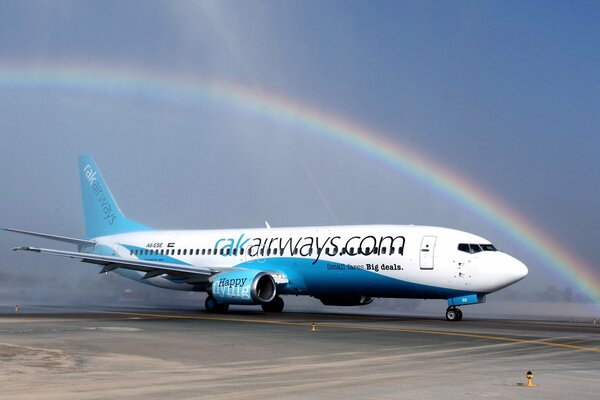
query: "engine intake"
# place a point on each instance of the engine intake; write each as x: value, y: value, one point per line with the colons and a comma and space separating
x: 243, y: 287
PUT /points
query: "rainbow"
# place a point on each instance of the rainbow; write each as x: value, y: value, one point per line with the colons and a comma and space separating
x: 124, y: 81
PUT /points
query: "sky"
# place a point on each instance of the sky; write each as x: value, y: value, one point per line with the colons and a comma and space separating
x: 503, y: 94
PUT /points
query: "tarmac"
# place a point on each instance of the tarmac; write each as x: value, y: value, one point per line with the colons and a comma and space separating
x: 136, y: 352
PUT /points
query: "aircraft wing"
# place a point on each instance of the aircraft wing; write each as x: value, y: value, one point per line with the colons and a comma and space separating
x: 152, y: 269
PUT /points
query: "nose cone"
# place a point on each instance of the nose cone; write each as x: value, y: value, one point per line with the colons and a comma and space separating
x: 510, y: 270
x: 517, y: 270
x: 499, y: 270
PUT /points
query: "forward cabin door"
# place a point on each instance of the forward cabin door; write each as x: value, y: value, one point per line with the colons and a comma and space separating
x: 426, y: 253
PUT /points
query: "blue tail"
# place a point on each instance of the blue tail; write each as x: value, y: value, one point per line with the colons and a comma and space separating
x: 102, y: 213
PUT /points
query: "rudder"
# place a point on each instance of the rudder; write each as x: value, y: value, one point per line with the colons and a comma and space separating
x: 101, y: 211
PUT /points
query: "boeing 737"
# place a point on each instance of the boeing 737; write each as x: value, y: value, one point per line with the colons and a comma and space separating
x: 338, y: 265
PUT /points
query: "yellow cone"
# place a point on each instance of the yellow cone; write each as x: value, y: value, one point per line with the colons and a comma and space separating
x: 529, y: 379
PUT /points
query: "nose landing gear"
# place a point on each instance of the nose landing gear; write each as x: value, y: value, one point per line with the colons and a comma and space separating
x: 453, y: 314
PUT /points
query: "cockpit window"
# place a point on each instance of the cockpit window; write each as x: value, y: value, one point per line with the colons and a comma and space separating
x: 472, y: 248
x: 475, y: 248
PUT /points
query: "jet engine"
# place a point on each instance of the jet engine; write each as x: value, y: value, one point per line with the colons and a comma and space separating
x: 243, y: 286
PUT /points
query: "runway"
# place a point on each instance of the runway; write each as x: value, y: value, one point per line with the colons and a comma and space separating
x: 59, y: 352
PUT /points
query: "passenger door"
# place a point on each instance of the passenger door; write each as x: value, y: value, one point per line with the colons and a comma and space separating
x: 426, y: 255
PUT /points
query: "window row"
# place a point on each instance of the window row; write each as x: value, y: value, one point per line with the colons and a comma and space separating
x: 268, y: 252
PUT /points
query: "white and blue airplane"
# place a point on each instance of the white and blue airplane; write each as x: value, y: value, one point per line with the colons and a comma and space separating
x: 339, y: 265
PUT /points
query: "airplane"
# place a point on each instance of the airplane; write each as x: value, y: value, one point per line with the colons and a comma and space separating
x: 338, y: 265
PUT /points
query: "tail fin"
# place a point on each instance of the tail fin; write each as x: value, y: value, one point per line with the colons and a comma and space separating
x: 102, y: 213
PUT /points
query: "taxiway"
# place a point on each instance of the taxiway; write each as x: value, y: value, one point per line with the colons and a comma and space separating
x: 58, y: 353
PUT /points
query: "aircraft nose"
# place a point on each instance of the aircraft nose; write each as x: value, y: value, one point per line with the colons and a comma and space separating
x: 518, y: 270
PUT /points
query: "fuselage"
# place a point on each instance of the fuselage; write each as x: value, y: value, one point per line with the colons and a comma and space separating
x: 365, y: 260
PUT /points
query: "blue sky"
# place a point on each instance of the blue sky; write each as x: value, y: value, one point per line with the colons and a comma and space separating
x: 505, y: 93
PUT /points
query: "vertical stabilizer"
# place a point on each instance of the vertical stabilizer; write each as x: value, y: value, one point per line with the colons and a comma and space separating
x: 102, y: 213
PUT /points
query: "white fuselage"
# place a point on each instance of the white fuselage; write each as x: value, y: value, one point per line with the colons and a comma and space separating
x: 372, y: 260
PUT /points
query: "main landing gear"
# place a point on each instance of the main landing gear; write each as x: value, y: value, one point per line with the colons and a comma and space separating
x: 275, y: 305
x: 211, y: 306
x: 453, y: 314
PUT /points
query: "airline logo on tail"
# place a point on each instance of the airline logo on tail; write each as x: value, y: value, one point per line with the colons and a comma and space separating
x: 103, y: 200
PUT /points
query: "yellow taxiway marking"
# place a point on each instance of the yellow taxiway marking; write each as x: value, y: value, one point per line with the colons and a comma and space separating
x: 346, y: 326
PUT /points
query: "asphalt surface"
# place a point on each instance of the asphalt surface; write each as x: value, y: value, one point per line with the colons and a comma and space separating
x: 59, y: 353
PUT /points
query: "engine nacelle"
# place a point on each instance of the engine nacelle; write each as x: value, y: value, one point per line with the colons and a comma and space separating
x: 349, y: 300
x: 242, y: 286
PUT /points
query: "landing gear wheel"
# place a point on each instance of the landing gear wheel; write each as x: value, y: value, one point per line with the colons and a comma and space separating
x: 453, y: 314
x: 211, y: 306
x: 458, y: 314
x: 275, y: 305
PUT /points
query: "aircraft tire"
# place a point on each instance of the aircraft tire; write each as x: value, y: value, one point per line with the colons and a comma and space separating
x: 211, y: 306
x: 459, y: 314
x: 275, y: 305
x: 452, y: 314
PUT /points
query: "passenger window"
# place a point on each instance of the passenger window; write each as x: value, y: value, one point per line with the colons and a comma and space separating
x: 242, y: 251
x: 392, y: 250
x: 275, y: 252
x: 203, y: 251
x: 383, y: 250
